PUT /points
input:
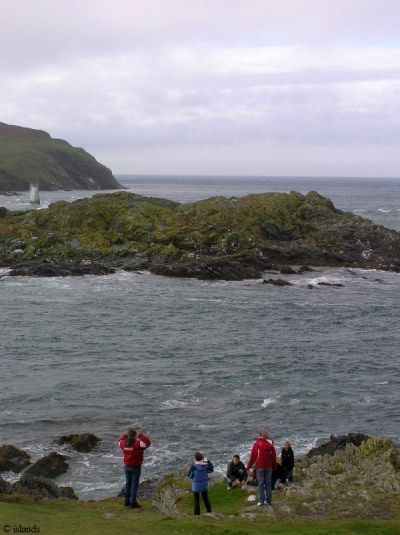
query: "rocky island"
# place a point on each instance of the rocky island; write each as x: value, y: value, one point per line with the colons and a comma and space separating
x: 28, y: 155
x: 217, y: 238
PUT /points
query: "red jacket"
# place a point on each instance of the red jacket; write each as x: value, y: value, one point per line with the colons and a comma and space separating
x: 263, y: 454
x: 133, y: 455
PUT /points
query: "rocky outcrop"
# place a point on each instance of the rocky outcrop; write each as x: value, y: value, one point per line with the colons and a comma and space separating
x: 277, y: 282
x: 28, y: 155
x: 52, y: 465
x: 37, y: 268
x: 83, y: 442
x: 218, y: 238
x: 338, y: 443
x: 40, y: 487
x: 13, y: 459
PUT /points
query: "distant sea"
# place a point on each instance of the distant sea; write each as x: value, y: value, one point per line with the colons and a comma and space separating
x: 200, y: 365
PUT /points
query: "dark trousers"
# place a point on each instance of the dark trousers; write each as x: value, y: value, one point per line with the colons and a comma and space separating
x: 289, y: 474
x: 132, y: 475
x: 204, y: 495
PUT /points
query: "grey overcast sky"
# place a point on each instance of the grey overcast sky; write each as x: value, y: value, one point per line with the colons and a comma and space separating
x: 239, y: 87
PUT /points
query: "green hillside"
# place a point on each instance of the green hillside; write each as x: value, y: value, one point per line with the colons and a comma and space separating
x: 28, y: 155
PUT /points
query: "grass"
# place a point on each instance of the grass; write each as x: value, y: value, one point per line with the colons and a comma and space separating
x: 63, y: 517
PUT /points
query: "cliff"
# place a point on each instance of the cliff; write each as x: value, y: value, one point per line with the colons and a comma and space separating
x: 28, y: 155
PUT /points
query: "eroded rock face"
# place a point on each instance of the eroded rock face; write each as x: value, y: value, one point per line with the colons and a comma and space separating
x: 338, y: 443
x: 37, y: 486
x: 52, y: 465
x: 84, y: 442
x: 13, y: 459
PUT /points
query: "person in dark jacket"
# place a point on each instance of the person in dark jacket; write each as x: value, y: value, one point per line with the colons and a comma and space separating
x: 198, y: 473
x: 133, y: 443
x: 278, y: 477
x: 236, y: 472
x: 287, y: 460
x: 263, y: 455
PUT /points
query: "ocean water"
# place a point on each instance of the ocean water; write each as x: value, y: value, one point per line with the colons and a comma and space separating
x: 201, y: 365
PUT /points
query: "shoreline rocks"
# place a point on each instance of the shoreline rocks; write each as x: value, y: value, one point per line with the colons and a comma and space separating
x: 13, y: 459
x: 52, y: 465
x: 83, y: 442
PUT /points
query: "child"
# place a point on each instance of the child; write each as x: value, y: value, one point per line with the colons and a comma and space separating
x: 287, y: 460
x: 198, y: 473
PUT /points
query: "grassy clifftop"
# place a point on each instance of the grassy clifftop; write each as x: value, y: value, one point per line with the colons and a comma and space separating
x: 28, y: 155
x: 354, y: 491
x: 215, y: 238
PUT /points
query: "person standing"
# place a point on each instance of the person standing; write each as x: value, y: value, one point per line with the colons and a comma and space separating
x: 198, y: 473
x: 263, y: 455
x: 133, y: 443
x: 287, y: 460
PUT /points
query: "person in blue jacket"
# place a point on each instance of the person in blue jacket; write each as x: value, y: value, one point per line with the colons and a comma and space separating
x: 198, y: 473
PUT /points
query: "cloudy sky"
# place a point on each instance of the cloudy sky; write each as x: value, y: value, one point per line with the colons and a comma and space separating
x: 239, y: 87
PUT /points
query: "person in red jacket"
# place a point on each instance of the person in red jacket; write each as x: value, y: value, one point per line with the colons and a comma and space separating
x: 263, y: 455
x: 133, y: 443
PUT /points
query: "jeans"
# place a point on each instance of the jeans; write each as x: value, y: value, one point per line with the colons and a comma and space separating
x: 132, y: 475
x: 204, y: 495
x: 264, y: 477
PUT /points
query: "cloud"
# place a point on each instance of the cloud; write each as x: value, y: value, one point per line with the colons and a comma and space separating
x: 176, y: 77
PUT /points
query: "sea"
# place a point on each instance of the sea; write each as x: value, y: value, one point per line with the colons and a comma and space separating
x: 200, y: 365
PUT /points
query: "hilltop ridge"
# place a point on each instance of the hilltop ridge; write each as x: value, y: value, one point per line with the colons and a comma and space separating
x: 28, y: 155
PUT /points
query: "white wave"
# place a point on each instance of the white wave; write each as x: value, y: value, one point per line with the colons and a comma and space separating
x: 383, y: 210
x: 267, y: 401
x: 174, y: 404
x: 382, y: 383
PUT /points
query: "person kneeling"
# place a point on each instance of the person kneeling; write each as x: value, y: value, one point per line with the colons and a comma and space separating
x: 236, y: 473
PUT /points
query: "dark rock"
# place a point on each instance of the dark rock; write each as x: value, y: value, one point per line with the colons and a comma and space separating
x: 12, y: 458
x: 338, y: 443
x: 37, y: 486
x: 336, y: 284
x: 303, y: 269
x: 277, y: 282
x: 52, y: 465
x: 37, y: 268
x: 5, y: 487
x: 7, y: 466
x: 84, y: 442
x: 287, y: 270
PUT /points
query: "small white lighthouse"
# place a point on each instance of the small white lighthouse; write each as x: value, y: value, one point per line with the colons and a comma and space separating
x: 34, y: 194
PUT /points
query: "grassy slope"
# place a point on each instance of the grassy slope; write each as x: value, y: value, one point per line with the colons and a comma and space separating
x: 53, y: 163
x: 64, y: 517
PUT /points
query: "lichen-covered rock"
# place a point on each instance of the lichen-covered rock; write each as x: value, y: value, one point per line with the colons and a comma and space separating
x: 13, y: 458
x: 52, y: 465
x: 217, y: 238
x: 84, y: 442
